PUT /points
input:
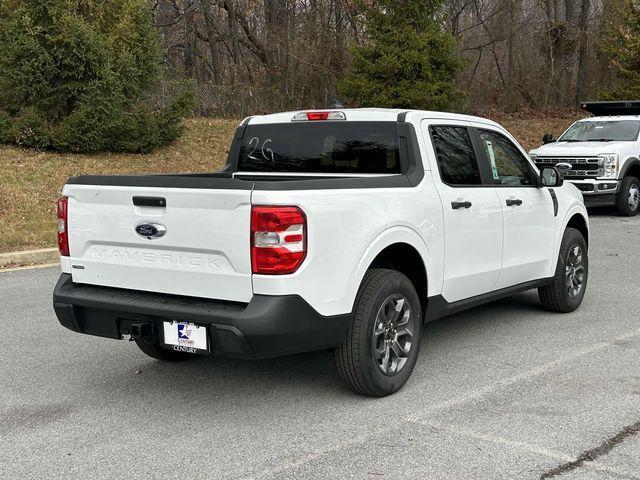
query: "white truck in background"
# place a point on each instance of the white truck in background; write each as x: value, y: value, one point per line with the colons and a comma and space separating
x: 339, y: 229
x: 603, y: 152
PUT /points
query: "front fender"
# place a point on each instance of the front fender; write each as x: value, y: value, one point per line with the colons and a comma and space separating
x: 576, y: 208
x: 628, y: 163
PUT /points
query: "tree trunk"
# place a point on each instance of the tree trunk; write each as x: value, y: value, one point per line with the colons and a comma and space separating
x: 568, y: 84
x: 510, y: 77
x: 583, y: 53
x: 189, y: 41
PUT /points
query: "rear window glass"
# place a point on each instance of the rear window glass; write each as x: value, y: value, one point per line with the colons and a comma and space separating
x: 321, y: 147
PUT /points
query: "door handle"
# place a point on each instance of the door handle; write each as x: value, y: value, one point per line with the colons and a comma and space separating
x: 149, y: 202
x: 513, y: 201
x: 461, y: 204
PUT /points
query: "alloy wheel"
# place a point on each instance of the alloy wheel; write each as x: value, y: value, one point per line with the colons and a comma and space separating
x: 634, y: 196
x: 393, y: 335
x: 575, y: 271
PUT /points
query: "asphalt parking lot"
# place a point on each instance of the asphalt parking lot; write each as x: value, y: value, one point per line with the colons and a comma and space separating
x: 505, y: 391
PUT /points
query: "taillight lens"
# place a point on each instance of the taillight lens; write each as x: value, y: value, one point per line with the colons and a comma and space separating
x: 63, y: 233
x: 314, y: 116
x: 278, y: 239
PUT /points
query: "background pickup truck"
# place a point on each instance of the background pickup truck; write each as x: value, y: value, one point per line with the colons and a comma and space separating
x: 604, y: 155
x: 326, y: 229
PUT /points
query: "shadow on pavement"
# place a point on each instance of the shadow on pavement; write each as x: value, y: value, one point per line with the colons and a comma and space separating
x: 218, y: 380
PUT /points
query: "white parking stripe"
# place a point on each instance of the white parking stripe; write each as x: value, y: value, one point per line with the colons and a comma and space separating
x: 524, y: 376
x: 525, y: 447
x: 469, y: 397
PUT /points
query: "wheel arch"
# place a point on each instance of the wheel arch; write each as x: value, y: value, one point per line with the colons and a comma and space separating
x: 631, y: 168
x: 580, y: 223
x: 405, y: 259
x: 400, y: 249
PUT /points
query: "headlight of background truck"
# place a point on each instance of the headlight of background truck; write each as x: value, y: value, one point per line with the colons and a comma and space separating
x: 609, y: 162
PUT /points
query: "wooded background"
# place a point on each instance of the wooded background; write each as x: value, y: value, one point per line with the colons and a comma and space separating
x: 252, y: 56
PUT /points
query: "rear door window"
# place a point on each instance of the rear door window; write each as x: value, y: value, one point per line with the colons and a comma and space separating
x: 455, y: 155
x: 321, y: 147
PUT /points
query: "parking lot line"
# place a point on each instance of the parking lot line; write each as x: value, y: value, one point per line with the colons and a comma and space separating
x: 471, y: 396
x: 524, y: 376
x: 525, y: 447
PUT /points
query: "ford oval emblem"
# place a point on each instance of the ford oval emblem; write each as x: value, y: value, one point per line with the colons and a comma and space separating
x: 150, y: 230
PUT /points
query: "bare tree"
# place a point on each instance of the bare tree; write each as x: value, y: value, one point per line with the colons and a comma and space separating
x: 260, y: 55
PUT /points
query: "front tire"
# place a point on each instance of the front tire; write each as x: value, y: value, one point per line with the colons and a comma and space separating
x: 628, y: 200
x: 156, y: 351
x: 566, y: 291
x: 383, y: 341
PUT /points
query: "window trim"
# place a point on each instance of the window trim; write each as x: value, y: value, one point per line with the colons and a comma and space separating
x: 535, y: 177
x: 474, y: 146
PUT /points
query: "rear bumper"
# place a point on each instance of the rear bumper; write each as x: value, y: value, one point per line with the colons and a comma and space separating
x: 267, y: 326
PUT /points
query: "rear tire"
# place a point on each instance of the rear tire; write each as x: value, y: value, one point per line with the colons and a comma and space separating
x: 628, y: 200
x: 566, y: 291
x: 383, y: 341
x: 156, y: 351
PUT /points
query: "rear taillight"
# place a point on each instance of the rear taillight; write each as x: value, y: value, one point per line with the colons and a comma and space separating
x: 63, y: 233
x: 278, y: 239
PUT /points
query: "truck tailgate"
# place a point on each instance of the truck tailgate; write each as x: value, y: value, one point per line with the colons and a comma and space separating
x: 205, y: 251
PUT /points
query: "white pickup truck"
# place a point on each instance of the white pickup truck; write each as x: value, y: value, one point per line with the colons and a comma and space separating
x: 604, y: 155
x: 339, y: 230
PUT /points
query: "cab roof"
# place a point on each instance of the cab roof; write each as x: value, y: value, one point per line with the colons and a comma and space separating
x: 369, y: 114
x: 610, y: 118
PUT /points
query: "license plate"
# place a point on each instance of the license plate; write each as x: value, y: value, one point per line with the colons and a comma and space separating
x: 186, y: 337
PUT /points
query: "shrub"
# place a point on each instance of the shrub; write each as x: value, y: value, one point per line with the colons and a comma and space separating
x: 74, y: 73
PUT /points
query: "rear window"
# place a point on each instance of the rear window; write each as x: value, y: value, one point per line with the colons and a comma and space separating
x: 321, y: 147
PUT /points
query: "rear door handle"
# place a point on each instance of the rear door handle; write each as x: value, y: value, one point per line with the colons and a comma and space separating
x: 463, y: 204
x: 513, y: 201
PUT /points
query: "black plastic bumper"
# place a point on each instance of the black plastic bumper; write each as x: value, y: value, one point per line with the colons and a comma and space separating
x: 267, y: 326
x: 601, y: 200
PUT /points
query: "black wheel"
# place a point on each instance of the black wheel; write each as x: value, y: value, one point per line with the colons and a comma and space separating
x: 382, y: 343
x: 628, y: 200
x: 156, y: 351
x: 566, y: 291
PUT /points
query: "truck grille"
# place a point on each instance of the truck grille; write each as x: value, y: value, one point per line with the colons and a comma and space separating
x: 581, y: 167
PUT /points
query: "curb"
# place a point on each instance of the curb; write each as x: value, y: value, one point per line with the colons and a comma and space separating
x: 29, y: 257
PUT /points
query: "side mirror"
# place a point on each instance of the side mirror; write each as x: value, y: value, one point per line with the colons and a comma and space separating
x: 551, y: 177
x: 547, y: 138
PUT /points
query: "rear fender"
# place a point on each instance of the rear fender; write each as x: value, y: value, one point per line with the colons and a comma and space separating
x: 391, y: 236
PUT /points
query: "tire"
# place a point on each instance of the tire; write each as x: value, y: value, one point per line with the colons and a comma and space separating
x: 382, y: 292
x: 156, y: 351
x: 628, y: 200
x: 561, y: 295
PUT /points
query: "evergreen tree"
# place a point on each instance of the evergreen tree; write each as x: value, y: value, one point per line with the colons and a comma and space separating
x: 73, y: 74
x: 622, y: 46
x: 408, y: 60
